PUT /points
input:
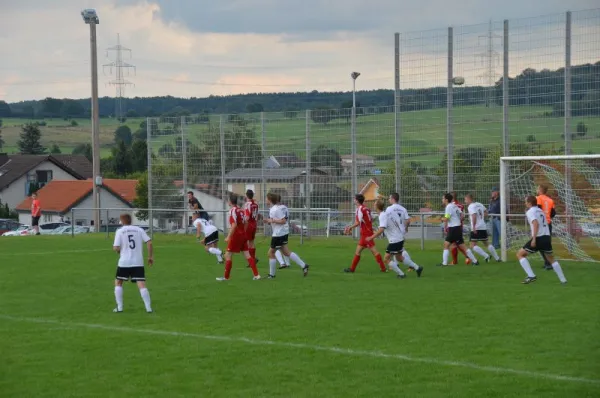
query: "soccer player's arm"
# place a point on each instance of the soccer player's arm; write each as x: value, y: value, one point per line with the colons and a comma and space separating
x: 117, y: 242
x: 232, y: 227
x: 535, y: 226
x: 446, y: 218
x: 149, y: 246
x: 356, y: 223
x: 407, y: 221
x: 552, y: 210
x: 474, y: 222
x: 381, y: 229
x: 198, y: 231
x: 281, y: 220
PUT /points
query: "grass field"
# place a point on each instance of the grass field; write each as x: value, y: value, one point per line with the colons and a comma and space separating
x: 456, y: 332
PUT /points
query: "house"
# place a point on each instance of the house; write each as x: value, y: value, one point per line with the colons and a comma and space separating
x: 371, y: 190
x: 364, y: 164
x: 22, y: 174
x: 211, y: 199
x: 58, y: 198
x: 288, y: 182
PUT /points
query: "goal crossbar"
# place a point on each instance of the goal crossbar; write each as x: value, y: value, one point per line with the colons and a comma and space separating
x: 504, y: 186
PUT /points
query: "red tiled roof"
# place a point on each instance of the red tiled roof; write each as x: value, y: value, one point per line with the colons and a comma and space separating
x: 60, y: 196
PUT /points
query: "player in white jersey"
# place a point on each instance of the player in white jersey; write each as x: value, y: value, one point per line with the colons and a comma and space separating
x: 394, y: 222
x: 454, y: 231
x: 129, y: 241
x: 278, y: 219
x: 211, y: 236
x: 540, y: 241
x: 479, y: 233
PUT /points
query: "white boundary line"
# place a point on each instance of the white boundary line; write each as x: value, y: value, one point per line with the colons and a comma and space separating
x: 303, y: 346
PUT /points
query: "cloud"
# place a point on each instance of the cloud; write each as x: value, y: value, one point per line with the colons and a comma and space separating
x: 199, y: 48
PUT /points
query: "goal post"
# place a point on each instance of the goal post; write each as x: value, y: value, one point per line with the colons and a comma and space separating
x: 573, y: 182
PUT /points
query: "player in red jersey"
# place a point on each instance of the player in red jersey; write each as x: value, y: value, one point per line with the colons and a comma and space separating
x: 455, y: 248
x: 365, y: 221
x: 236, y: 239
x: 252, y: 216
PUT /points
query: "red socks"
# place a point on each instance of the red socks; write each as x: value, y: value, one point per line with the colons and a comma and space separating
x: 380, y: 262
x: 252, y: 253
x: 252, y: 263
x: 355, y: 261
x: 455, y: 255
x: 228, y: 266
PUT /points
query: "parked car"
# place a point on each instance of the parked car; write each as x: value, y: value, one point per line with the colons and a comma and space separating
x: 297, y: 227
x: 7, y: 225
x: 590, y: 229
x: 20, y: 231
x: 48, y: 228
x: 337, y: 228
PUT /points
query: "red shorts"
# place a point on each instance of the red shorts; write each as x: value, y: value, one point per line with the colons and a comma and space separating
x: 365, y: 243
x: 237, y: 244
x: 251, y: 232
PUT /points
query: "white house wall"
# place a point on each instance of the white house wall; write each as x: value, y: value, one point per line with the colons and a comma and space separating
x: 16, y: 192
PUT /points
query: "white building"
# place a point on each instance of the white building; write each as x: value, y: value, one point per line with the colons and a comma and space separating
x: 68, y: 201
x: 22, y: 174
x: 364, y: 164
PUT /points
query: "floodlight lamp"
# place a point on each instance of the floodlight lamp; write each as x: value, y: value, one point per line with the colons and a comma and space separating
x: 90, y: 16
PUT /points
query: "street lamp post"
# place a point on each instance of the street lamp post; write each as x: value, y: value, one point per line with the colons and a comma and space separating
x: 90, y: 17
x: 354, y: 76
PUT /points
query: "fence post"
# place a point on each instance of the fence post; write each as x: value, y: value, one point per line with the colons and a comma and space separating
x: 505, y: 92
x: 184, y: 173
x: 72, y: 222
x: 307, y: 184
x: 568, y: 128
x: 223, y: 186
x: 397, y: 121
x: 449, y: 104
x: 422, y: 231
x: 263, y: 165
x: 107, y: 223
x: 149, y: 148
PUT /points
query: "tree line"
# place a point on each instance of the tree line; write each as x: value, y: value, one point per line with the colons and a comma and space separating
x: 530, y: 87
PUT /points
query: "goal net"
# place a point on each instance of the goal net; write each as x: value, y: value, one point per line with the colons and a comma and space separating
x: 573, y: 183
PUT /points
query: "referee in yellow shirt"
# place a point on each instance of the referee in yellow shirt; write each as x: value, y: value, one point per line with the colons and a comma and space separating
x: 547, y: 205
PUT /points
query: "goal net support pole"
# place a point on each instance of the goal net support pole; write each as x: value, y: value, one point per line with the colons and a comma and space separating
x: 519, y: 184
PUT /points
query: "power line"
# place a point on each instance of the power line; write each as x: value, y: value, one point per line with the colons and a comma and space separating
x: 119, y: 82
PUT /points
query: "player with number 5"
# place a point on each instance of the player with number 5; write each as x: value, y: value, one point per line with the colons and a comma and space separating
x: 129, y: 241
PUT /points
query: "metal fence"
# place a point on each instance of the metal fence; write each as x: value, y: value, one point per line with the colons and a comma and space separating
x: 532, y: 87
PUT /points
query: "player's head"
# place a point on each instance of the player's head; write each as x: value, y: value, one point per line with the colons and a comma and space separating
x: 271, y: 198
x: 195, y: 216
x: 380, y: 205
x: 34, y: 195
x: 359, y: 199
x: 125, y: 219
x: 250, y: 194
x: 448, y: 198
x: 495, y: 193
x: 542, y: 190
x: 190, y: 194
x: 233, y: 199
x: 469, y: 199
x: 394, y: 198
x: 530, y: 201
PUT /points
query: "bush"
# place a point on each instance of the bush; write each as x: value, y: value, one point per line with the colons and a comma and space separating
x: 42, y: 123
x: 74, y: 123
x: 531, y: 138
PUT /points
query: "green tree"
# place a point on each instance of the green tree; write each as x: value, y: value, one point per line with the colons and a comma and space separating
x: 83, y: 149
x: 139, y: 156
x: 322, y: 115
x: 52, y: 106
x: 141, y: 197
x: 132, y: 113
x: 5, y: 110
x: 324, y: 156
x: 29, y: 142
x: 55, y: 149
x: 582, y: 129
x: 1, y: 139
x: 254, y: 108
x: 123, y: 133
x: 71, y: 108
x: 122, y: 162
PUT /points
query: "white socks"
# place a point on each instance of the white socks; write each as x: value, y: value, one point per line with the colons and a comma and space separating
x: 279, y: 258
x: 471, y: 256
x: 445, y: 257
x: 119, y: 297
x: 294, y: 257
x: 216, y: 252
x: 480, y: 251
x: 405, y: 255
x: 394, y: 266
x: 527, y: 267
x: 559, y: 272
x: 272, y: 266
x: 146, y: 297
x: 492, y: 251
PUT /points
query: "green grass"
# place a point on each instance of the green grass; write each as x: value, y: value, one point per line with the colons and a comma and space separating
x: 327, y: 335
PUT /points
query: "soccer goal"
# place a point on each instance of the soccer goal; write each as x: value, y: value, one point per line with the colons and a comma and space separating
x: 573, y: 183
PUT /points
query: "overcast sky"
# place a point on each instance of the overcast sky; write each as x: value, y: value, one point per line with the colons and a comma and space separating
x: 195, y: 48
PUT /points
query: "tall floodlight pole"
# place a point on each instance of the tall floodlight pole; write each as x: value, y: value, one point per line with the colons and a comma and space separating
x: 90, y: 17
x: 354, y: 76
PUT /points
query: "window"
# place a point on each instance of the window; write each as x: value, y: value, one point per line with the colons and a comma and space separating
x: 43, y: 177
x: 47, y: 218
x: 80, y: 222
x: 230, y: 187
